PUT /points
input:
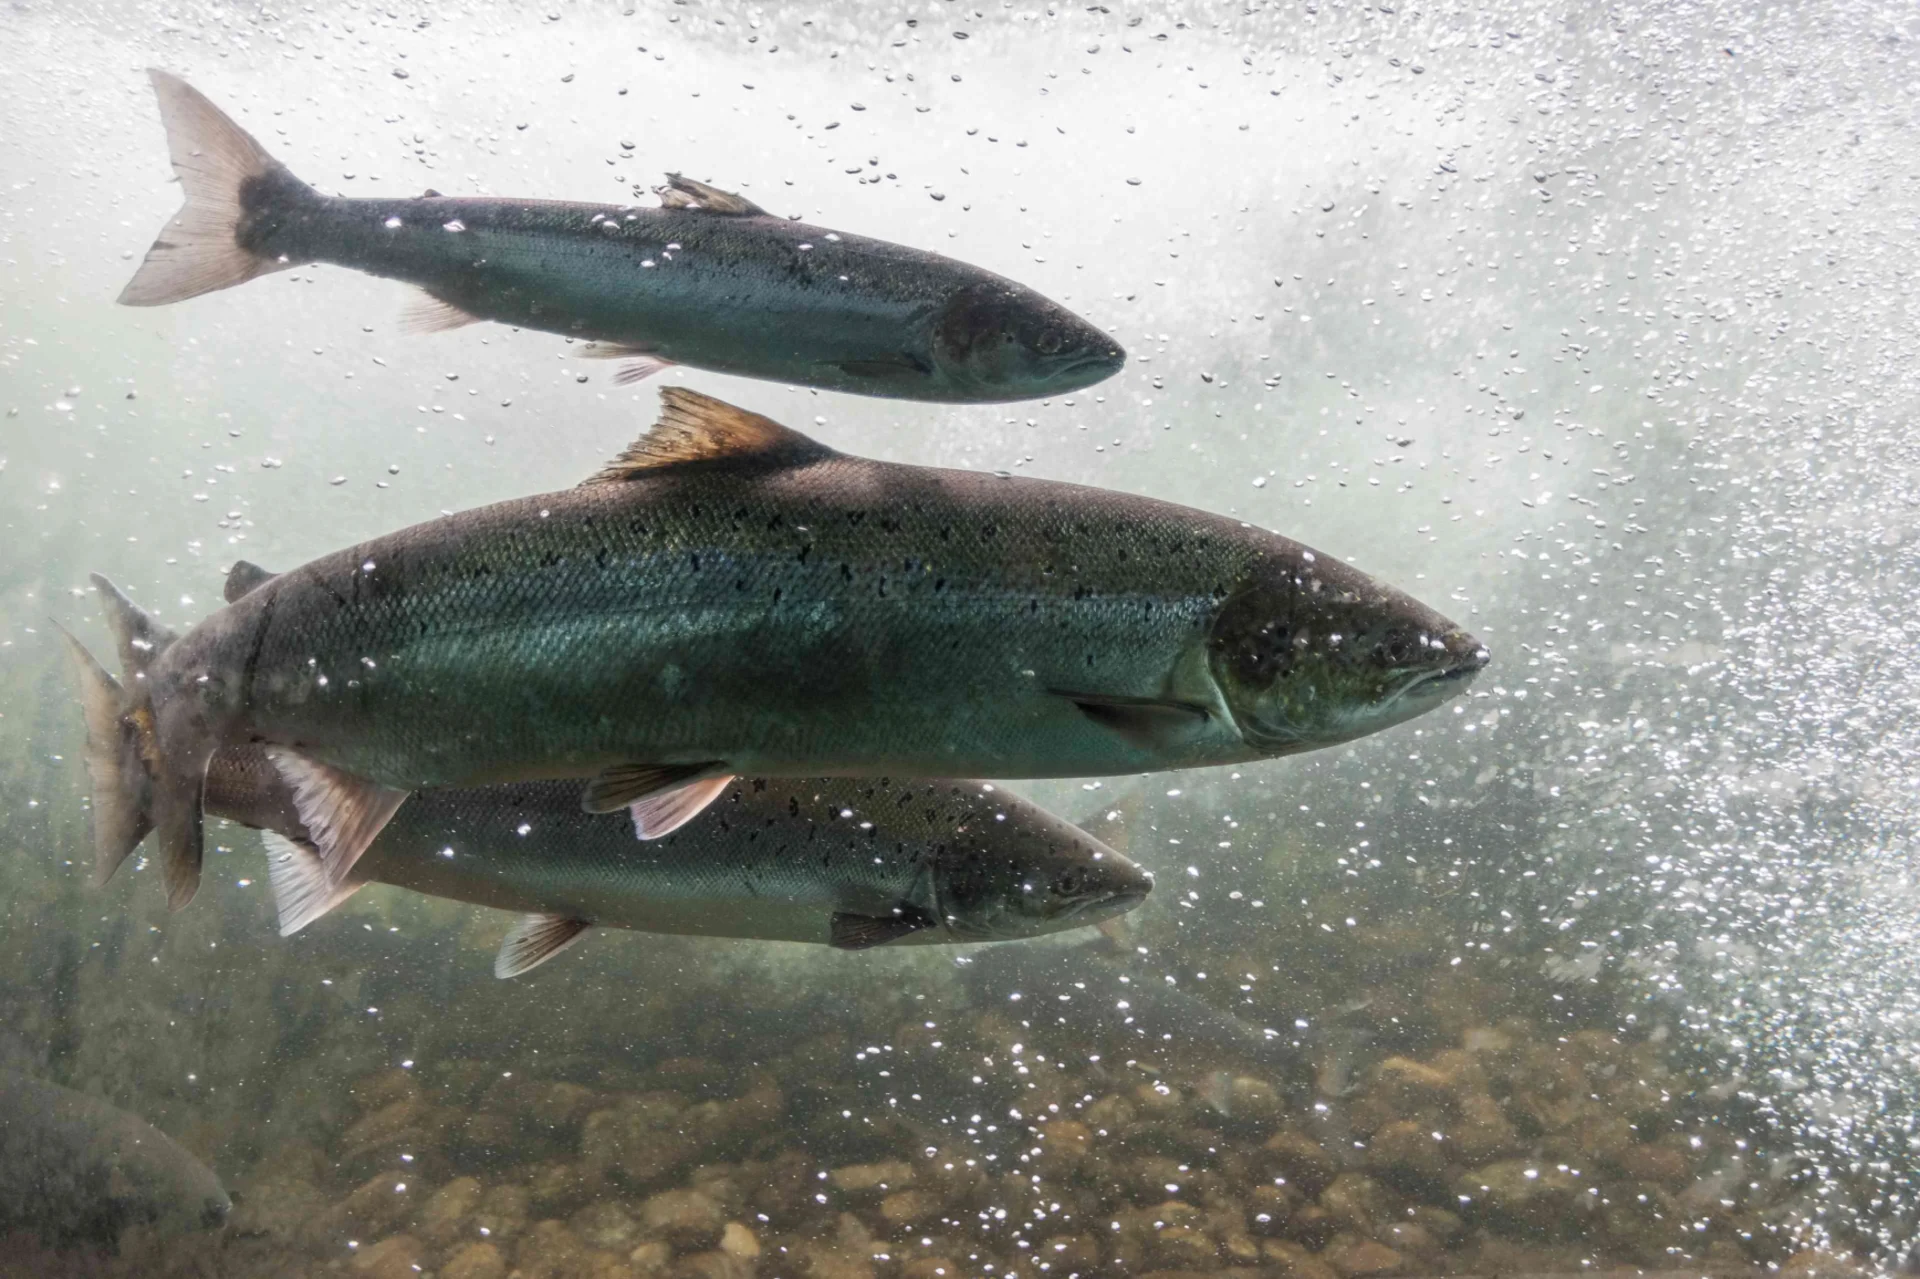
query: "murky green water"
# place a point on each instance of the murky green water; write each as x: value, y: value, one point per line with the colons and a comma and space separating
x: 1590, y: 326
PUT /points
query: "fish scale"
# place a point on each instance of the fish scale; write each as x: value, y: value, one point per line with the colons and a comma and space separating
x: 707, y: 279
x: 774, y: 858
x: 730, y: 597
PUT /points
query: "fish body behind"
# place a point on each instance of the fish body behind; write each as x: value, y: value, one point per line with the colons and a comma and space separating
x: 76, y: 1169
x: 850, y: 862
x: 708, y: 279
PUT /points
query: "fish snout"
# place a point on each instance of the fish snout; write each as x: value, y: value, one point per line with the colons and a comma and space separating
x: 1466, y: 657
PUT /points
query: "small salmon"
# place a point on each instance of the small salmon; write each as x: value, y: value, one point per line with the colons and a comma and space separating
x: 708, y: 279
x: 847, y: 862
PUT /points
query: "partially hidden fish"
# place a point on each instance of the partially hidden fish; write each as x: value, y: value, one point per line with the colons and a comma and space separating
x: 732, y: 598
x: 707, y: 279
x: 847, y: 862
x: 76, y: 1169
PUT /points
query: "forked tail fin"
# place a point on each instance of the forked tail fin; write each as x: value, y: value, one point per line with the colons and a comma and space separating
x: 231, y: 185
x: 171, y: 763
x: 121, y: 790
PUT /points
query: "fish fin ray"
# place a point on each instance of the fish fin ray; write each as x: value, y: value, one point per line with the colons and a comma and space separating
x: 660, y: 815
x: 178, y: 821
x: 302, y: 892
x: 430, y: 313
x: 848, y: 931
x: 698, y: 428
x: 641, y: 361
x: 138, y: 637
x: 1146, y: 722
x: 534, y: 939
x: 682, y: 192
x: 244, y: 578
x: 199, y: 251
x: 619, y: 786
x: 114, y: 763
x: 341, y: 811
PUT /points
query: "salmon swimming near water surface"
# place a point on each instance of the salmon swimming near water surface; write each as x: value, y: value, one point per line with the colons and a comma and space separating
x: 708, y: 279
x: 847, y: 862
x: 730, y: 597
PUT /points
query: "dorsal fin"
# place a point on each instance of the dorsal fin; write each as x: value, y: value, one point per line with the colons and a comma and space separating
x: 139, y: 638
x: 682, y: 192
x: 698, y: 428
x: 244, y: 578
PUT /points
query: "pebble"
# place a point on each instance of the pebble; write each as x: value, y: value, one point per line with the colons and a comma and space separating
x: 688, y: 1219
x: 475, y: 1261
x: 395, y: 1257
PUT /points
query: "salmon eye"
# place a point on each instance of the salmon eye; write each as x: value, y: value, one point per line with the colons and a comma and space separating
x: 1396, y: 648
x: 1049, y: 342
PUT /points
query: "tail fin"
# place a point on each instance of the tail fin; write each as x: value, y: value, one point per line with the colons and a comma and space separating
x: 138, y: 636
x: 115, y: 762
x: 173, y: 773
x: 225, y: 175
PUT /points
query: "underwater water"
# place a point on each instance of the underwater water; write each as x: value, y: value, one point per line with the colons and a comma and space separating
x: 1588, y: 325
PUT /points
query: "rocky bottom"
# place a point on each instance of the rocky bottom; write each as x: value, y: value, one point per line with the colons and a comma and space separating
x: 1458, y: 1120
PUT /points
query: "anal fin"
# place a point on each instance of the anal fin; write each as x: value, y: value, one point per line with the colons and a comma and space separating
x: 864, y: 932
x: 533, y: 940
x: 661, y: 815
x: 302, y: 892
x: 427, y: 313
x: 1150, y: 723
x: 342, y: 812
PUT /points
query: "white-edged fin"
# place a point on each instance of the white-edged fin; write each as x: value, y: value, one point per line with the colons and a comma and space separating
x: 619, y: 786
x: 534, y: 939
x: 682, y: 192
x: 342, y: 812
x: 698, y: 428
x: 1149, y: 723
x: 301, y: 890
x: 199, y: 250
x: 244, y: 578
x: 662, y: 814
x: 429, y: 314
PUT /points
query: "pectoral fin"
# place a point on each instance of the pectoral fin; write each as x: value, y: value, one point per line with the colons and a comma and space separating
x: 301, y: 890
x: 533, y: 940
x: 898, y: 365
x: 1149, y: 723
x: 665, y: 813
x: 864, y: 932
x: 342, y: 812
